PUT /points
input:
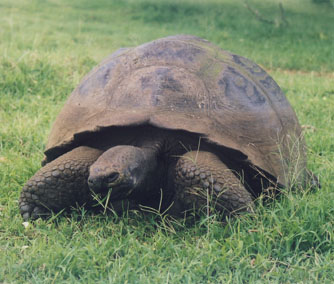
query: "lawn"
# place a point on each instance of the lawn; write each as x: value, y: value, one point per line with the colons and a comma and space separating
x: 47, y: 46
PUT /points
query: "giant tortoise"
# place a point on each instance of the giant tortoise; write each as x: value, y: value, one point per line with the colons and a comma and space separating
x: 175, y: 124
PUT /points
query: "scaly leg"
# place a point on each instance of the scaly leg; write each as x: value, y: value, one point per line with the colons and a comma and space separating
x: 203, y: 181
x: 59, y: 184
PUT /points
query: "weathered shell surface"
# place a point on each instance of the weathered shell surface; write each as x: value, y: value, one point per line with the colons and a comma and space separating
x: 184, y: 82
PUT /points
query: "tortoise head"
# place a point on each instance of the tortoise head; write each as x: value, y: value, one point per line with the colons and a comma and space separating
x: 121, y: 169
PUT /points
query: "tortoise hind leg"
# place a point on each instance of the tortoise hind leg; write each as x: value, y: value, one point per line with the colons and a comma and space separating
x: 202, y: 180
x: 59, y: 184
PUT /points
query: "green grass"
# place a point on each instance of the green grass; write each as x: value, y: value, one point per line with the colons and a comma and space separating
x: 47, y: 46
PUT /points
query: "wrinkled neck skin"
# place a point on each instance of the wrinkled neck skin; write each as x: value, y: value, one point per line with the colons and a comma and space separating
x: 162, y: 140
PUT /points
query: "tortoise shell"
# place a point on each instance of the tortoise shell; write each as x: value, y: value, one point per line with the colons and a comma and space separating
x: 186, y: 83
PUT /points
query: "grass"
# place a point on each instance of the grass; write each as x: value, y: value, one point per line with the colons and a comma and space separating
x: 47, y: 46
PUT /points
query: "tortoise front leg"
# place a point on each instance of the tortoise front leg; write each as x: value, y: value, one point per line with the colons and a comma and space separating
x: 59, y: 184
x: 203, y: 181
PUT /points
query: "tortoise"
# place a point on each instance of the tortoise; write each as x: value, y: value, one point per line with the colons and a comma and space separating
x: 174, y: 124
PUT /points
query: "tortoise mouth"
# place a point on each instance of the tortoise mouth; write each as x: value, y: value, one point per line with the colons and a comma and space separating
x: 113, y: 190
x: 120, y: 192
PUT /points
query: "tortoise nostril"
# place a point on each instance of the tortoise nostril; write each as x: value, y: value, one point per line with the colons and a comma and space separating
x: 112, y: 177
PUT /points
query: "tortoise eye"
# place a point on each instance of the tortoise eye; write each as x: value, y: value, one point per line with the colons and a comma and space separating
x: 112, y: 177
